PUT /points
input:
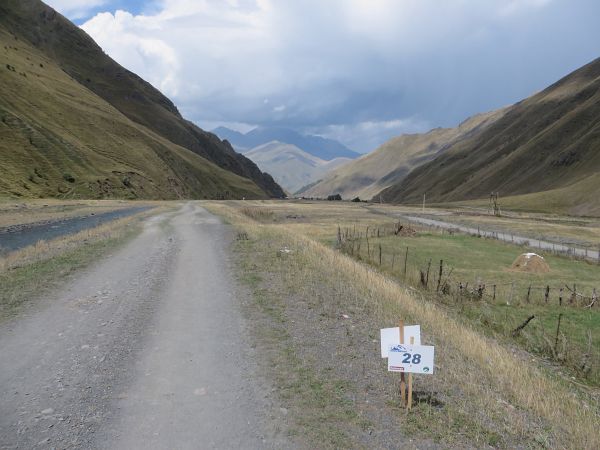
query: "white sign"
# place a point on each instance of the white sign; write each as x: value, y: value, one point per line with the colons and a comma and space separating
x: 411, y: 358
x: 390, y: 337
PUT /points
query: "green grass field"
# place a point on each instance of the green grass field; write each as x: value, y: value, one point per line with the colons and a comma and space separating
x: 476, y: 261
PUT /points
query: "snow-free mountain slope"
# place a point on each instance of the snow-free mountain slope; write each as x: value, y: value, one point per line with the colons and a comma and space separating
x: 72, y: 110
x: 323, y: 148
x: 392, y: 161
x: 547, y: 142
x: 291, y: 167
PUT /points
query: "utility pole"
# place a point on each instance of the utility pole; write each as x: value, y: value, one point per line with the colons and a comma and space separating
x: 494, y: 206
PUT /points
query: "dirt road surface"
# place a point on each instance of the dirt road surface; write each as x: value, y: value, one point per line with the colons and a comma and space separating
x: 145, y: 349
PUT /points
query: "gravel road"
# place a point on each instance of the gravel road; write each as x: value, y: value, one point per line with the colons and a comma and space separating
x: 145, y: 349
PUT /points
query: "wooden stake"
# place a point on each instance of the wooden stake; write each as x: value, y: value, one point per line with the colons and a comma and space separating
x: 409, y: 402
x: 402, y: 382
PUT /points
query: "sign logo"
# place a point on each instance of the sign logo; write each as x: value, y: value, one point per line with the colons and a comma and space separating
x: 398, y: 348
x: 425, y: 369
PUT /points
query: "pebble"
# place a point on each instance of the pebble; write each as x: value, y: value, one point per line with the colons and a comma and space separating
x: 48, y: 411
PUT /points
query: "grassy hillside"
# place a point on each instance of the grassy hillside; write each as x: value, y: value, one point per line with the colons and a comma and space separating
x: 34, y: 25
x: 59, y: 139
x: 577, y: 199
x: 291, y: 167
x: 390, y: 163
x: 549, y: 142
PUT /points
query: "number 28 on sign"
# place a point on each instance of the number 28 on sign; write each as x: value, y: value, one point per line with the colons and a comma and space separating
x: 411, y: 358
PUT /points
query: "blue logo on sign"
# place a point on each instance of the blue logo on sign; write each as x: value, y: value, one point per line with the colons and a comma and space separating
x: 398, y: 348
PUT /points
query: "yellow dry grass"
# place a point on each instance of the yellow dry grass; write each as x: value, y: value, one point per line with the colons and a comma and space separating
x: 493, y: 382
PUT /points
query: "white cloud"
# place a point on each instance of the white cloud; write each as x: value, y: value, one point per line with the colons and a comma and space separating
x: 314, y: 63
x: 75, y: 9
x: 366, y: 136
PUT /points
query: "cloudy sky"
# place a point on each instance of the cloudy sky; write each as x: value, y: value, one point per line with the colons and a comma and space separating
x: 360, y: 71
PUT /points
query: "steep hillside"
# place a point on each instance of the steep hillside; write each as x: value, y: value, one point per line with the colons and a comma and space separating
x: 323, y: 148
x: 390, y: 163
x: 74, y: 52
x: 59, y: 139
x: 291, y: 167
x: 550, y: 141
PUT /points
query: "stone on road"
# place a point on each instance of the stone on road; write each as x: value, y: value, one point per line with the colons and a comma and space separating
x: 145, y: 349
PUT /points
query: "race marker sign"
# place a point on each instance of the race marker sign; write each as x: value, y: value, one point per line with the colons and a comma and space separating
x: 411, y: 358
x: 391, y: 337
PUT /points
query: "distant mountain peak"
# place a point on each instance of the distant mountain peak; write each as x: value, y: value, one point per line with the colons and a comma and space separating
x: 323, y: 148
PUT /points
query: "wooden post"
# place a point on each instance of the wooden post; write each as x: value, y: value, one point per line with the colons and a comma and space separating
x: 405, y: 260
x: 379, y: 252
x: 409, y: 401
x: 494, y: 297
x: 547, y: 294
x: 402, y: 383
x: 439, y: 276
x: 557, y: 331
x: 560, y: 297
x: 528, y: 293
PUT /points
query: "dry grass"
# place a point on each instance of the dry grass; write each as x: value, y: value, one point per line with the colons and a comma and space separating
x: 44, y: 250
x: 488, y: 380
x: 47, y: 210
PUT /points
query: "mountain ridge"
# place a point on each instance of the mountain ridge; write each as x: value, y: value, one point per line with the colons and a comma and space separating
x: 84, y: 61
x: 366, y: 176
x: 324, y: 148
x: 291, y: 167
x: 546, y: 142
x: 59, y: 138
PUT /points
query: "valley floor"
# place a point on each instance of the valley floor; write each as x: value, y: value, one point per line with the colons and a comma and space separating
x: 263, y: 332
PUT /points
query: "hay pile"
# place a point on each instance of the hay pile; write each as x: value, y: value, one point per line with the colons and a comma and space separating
x: 531, y: 262
x: 404, y: 230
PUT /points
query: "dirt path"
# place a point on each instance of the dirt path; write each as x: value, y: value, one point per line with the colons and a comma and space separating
x: 146, y: 349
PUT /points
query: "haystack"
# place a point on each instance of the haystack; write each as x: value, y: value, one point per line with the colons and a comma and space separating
x: 531, y: 262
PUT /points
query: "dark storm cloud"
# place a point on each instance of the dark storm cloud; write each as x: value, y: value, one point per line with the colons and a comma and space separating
x: 362, y: 70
